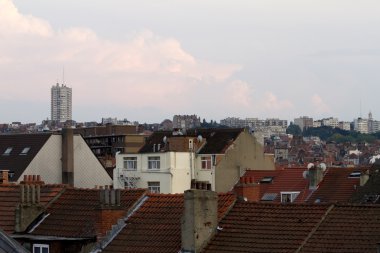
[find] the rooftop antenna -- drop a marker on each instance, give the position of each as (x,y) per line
(63,75)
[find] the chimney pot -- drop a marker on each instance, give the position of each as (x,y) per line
(38,178)
(25,178)
(242,180)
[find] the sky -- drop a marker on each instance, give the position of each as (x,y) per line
(147,60)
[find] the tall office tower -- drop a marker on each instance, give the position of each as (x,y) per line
(61,103)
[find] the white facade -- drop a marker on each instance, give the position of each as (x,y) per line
(61,103)
(88,171)
(361,125)
(173,174)
(331,122)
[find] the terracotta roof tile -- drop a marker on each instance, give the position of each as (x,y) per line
(156,225)
(347,228)
(10,196)
(76,213)
(261,227)
(336,186)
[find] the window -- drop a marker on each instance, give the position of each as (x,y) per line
(154,187)
(8,151)
(154,163)
(40,248)
(206,162)
(130,163)
(288,197)
(25,151)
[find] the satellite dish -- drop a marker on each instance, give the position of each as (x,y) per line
(322,166)
(200,138)
(165,139)
(310,165)
(305,174)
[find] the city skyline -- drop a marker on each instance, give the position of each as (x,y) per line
(246,59)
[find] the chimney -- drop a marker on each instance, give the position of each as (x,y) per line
(364,176)
(315,177)
(29,207)
(68,156)
(247,190)
(109,212)
(4,176)
(200,219)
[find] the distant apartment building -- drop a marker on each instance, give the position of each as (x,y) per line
(254,123)
(317,123)
(61,103)
(186,121)
(361,125)
(330,122)
(304,122)
(344,125)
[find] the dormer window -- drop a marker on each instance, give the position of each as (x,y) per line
(25,151)
(266,180)
(288,197)
(8,151)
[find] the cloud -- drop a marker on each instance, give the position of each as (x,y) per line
(143,72)
(239,93)
(272,103)
(319,105)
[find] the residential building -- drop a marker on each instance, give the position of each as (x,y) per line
(58,158)
(361,125)
(61,103)
(344,125)
(330,122)
(304,122)
(186,121)
(254,123)
(170,162)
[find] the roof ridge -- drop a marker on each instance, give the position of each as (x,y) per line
(315,228)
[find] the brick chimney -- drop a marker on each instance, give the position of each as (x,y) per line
(110,210)
(247,190)
(68,156)
(200,219)
(29,207)
(4,176)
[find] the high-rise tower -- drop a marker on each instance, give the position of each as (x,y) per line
(61,103)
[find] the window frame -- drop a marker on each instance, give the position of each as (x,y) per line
(154,188)
(40,247)
(206,162)
(293,195)
(130,160)
(25,151)
(154,163)
(8,151)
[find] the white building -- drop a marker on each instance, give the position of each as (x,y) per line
(61,103)
(214,158)
(361,125)
(330,122)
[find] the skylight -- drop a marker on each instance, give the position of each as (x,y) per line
(8,151)
(25,151)
(355,174)
(269,196)
(266,180)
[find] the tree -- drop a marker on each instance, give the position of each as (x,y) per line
(293,129)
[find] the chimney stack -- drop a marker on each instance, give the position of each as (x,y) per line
(248,190)
(68,156)
(4,176)
(200,219)
(315,177)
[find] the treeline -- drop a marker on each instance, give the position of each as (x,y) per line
(336,134)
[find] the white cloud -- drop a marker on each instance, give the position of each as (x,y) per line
(320,107)
(145,71)
(239,93)
(272,103)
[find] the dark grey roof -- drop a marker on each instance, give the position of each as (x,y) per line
(217,140)
(15,161)
(9,245)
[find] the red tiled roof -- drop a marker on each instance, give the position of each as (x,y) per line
(156,225)
(284,180)
(10,196)
(76,213)
(336,186)
(262,227)
(347,228)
